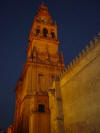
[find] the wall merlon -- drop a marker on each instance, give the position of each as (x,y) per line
(87,48)
(73,62)
(80,56)
(71,65)
(76,59)
(83,52)
(92,44)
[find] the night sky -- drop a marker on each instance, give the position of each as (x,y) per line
(78,22)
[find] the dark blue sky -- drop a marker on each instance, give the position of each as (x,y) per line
(80,22)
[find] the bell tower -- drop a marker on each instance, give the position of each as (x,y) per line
(43,64)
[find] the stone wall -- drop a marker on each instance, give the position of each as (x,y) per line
(80,89)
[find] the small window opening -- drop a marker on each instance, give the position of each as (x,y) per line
(53,35)
(41,108)
(37,31)
(45,32)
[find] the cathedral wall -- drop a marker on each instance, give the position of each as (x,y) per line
(80,90)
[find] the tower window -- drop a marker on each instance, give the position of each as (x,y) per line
(41,108)
(53,35)
(37,31)
(45,32)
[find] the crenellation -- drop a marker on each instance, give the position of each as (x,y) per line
(83,52)
(97,39)
(87,48)
(80,89)
(92,44)
(73,62)
(80,56)
(68,68)
(76,61)
(71,65)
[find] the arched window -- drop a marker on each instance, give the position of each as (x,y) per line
(37,31)
(52,35)
(45,32)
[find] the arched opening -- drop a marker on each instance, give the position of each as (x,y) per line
(37,31)
(52,35)
(45,32)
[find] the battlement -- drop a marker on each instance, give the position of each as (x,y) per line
(82,59)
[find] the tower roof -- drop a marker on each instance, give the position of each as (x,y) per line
(43,14)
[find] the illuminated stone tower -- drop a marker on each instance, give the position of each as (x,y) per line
(43,65)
